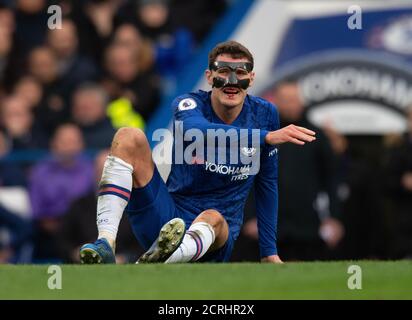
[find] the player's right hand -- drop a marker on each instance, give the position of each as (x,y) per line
(291,133)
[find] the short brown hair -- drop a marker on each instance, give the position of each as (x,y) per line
(232,48)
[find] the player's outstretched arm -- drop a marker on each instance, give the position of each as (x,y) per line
(272,259)
(291,133)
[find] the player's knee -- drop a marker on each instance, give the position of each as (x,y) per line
(214,218)
(129,139)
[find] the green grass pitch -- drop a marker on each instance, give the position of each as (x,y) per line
(314,280)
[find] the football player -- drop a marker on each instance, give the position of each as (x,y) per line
(197,214)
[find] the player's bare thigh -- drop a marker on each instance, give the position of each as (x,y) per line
(219,224)
(131,145)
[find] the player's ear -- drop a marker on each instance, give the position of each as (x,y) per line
(209,76)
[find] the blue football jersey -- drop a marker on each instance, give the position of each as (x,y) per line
(212,178)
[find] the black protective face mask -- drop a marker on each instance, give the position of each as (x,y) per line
(232,80)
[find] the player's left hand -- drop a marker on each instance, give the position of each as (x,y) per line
(272,259)
(291,133)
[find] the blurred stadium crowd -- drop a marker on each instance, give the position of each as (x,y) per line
(343,197)
(67,91)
